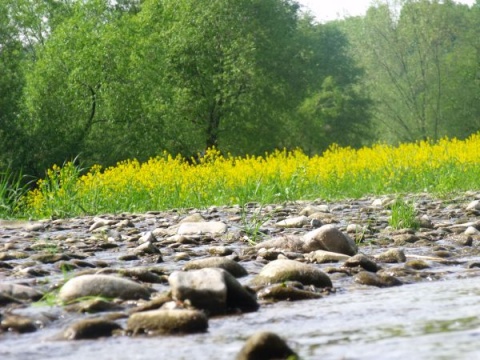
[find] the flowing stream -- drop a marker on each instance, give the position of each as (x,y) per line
(429,320)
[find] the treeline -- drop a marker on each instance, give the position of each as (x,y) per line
(104,81)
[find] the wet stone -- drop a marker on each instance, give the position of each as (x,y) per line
(17,323)
(286,291)
(403,239)
(329,238)
(266,346)
(295,222)
(50,258)
(371,279)
(363,261)
(91,329)
(417,264)
(231,266)
(322,257)
(106,286)
(93,306)
(213,290)
(282,270)
(19,292)
(220,251)
(158,322)
(392,256)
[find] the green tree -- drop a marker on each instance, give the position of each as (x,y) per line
(419,58)
(11,84)
(110,81)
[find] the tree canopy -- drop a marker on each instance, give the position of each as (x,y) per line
(104,81)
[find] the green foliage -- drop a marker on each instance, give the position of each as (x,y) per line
(12,190)
(421,64)
(58,193)
(403,215)
(110,81)
(252,220)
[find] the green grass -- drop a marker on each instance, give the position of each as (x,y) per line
(403,215)
(12,189)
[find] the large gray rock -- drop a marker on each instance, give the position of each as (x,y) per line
(229,265)
(329,238)
(107,286)
(202,228)
(266,346)
(157,322)
(213,290)
(282,270)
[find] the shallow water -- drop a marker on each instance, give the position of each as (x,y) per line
(429,320)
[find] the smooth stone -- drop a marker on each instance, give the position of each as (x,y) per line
(192,218)
(229,265)
(392,256)
(474,205)
(329,238)
(146,248)
(403,239)
(281,292)
(50,258)
(355,229)
(91,329)
(147,237)
(282,270)
(266,346)
(372,279)
(471,230)
(295,222)
(211,289)
(17,323)
(141,274)
(20,292)
(311,209)
(416,264)
(220,251)
(363,261)
(201,228)
(288,242)
(158,322)
(106,286)
(92,306)
(322,257)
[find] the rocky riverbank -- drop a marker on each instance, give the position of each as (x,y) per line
(120,279)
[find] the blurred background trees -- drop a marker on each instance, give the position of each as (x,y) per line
(108,80)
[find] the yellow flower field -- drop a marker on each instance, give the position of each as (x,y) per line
(168,182)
